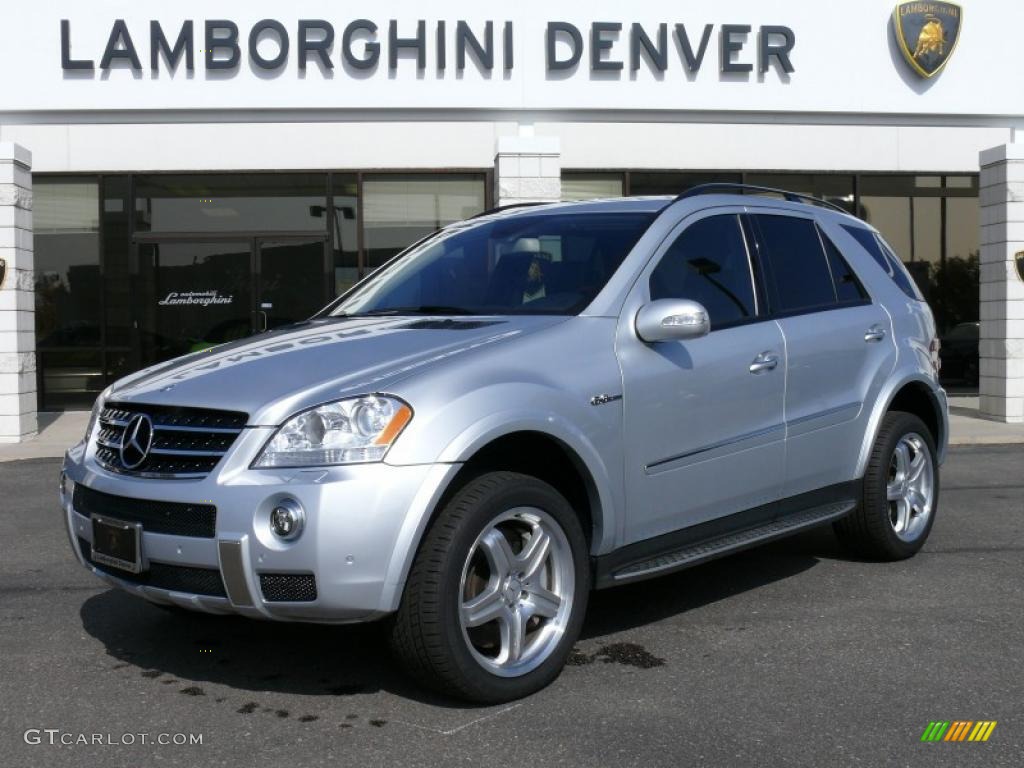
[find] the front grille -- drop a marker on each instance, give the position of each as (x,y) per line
(175,578)
(187,442)
(288,587)
(174,518)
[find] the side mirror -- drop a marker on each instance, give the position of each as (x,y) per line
(672,320)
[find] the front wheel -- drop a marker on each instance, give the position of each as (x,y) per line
(900,493)
(496,596)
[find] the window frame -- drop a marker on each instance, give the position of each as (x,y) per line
(767,267)
(825,242)
(753,271)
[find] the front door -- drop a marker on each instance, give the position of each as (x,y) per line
(292,283)
(190,296)
(703,419)
(195,294)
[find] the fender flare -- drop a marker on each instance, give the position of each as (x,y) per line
(462,448)
(882,405)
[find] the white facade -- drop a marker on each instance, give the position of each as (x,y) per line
(850,104)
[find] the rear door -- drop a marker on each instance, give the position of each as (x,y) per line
(839,349)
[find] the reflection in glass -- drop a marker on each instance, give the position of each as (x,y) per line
(675,182)
(67,263)
(708,264)
(590,186)
(291,281)
(193,296)
(837,188)
(399,210)
(346,231)
(118,254)
(266,202)
(72,378)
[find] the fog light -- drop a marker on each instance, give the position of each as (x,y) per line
(287,519)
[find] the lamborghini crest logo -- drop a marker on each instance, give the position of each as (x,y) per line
(927,33)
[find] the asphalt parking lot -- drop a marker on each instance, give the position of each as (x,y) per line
(792,654)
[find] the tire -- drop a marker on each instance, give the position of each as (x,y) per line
(881,528)
(459,577)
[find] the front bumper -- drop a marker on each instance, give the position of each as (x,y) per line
(363,523)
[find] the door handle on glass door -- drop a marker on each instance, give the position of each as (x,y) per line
(766,361)
(874,333)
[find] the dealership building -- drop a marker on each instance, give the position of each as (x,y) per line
(174,176)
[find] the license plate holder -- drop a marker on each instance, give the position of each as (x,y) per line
(117,543)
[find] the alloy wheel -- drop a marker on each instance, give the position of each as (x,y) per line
(516,592)
(910,490)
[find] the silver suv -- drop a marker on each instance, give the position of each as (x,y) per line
(522,407)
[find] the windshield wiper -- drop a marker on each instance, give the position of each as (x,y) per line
(422,309)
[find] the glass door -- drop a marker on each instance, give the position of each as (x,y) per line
(191,295)
(194,294)
(293,279)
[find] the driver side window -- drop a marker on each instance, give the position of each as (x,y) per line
(708,263)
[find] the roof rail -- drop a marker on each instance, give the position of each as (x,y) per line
(725,187)
(510,206)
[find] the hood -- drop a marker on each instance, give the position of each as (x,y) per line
(275,374)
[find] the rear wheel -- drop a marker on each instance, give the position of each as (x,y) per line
(900,493)
(497,593)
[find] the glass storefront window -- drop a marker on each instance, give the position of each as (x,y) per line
(837,188)
(268,202)
(675,182)
(401,209)
(957,282)
(117,260)
(345,191)
(590,186)
(68,289)
(71,378)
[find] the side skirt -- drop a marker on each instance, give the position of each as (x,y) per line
(716,538)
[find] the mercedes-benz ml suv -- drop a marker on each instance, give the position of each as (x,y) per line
(520,408)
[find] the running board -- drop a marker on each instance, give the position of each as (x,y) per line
(694,554)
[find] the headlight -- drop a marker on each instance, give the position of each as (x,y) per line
(351,431)
(97,409)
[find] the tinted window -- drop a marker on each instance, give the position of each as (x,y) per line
(848,288)
(522,264)
(708,263)
(800,274)
(886,259)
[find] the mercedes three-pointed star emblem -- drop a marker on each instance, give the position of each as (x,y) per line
(136,441)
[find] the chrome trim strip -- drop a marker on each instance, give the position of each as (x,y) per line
(803,424)
(232,571)
(182,452)
(716,446)
(104,444)
(174,428)
(211,430)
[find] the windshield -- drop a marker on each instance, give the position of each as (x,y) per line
(526,264)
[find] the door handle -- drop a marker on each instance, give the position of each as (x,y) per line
(766,361)
(874,333)
(264,318)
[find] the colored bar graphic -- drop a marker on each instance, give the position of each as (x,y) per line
(958,730)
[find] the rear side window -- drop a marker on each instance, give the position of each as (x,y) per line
(886,259)
(849,290)
(708,263)
(800,276)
